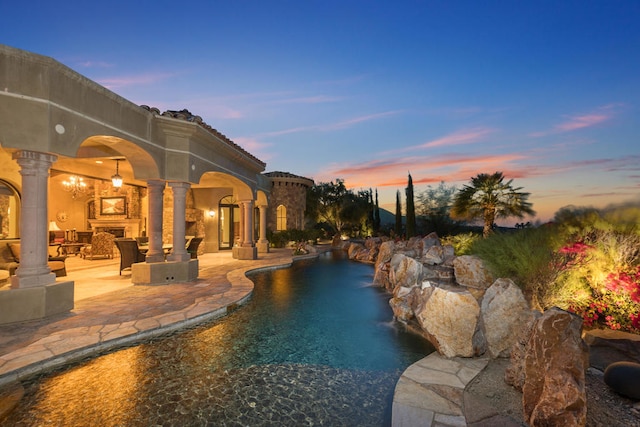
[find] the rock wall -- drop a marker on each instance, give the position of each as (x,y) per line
(464,312)
(455,302)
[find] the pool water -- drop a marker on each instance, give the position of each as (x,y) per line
(316,345)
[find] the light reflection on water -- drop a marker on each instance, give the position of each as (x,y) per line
(314,345)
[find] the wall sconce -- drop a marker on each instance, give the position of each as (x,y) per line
(116,180)
(212,213)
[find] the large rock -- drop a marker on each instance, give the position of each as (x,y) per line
(470,271)
(514,374)
(385,252)
(504,312)
(449,318)
(607,346)
(381,276)
(434,255)
(401,309)
(405,271)
(355,249)
(555,362)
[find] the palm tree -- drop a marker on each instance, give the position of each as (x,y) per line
(488,197)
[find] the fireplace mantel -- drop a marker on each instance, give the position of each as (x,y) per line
(131,226)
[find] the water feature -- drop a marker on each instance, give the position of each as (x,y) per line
(315,346)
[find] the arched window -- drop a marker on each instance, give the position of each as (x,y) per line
(281,218)
(9,210)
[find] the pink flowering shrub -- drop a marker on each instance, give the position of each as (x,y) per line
(586,261)
(613,299)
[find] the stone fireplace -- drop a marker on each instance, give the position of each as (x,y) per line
(120,227)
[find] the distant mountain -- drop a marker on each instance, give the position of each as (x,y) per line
(387,218)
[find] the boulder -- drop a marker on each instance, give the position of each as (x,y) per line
(504,312)
(429,241)
(381,276)
(514,374)
(470,271)
(448,255)
(607,346)
(555,362)
(363,255)
(624,378)
(385,252)
(405,271)
(354,249)
(401,309)
(433,255)
(449,318)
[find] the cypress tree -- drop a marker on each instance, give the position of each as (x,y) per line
(372,216)
(376,215)
(398,229)
(411,210)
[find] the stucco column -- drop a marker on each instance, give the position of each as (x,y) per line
(262,238)
(33,270)
(179,252)
(241,223)
(263,243)
(155,189)
(247,208)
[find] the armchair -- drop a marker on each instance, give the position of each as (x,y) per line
(129,253)
(102,245)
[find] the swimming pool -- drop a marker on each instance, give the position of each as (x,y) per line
(316,345)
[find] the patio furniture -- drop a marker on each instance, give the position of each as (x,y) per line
(192,248)
(56,263)
(101,246)
(129,253)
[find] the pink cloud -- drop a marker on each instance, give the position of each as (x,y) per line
(465,136)
(581,121)
(425,170)
(333,126)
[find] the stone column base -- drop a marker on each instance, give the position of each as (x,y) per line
(263,247)
(22,304)
(163,273)
(245,252)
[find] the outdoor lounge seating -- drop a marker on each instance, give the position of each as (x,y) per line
(101,246)
(10,258)
(129,253)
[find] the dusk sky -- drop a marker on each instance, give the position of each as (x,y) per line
(367,91)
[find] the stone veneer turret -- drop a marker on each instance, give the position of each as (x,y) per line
(291,191)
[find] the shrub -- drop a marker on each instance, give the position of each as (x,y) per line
(280,239)
(527,257)
(461,243)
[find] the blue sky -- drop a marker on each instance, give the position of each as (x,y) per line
(367,91)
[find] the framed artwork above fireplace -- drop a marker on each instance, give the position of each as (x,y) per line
(113,205)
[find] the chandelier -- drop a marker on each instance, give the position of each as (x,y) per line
(75,185)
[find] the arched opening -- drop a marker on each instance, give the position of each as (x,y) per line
(229,222)
(281,218)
